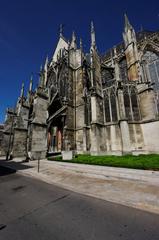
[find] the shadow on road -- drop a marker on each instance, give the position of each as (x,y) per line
(9,167)
(5,171)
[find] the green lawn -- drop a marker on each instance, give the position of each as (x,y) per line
(149,162)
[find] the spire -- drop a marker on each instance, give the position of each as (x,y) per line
(41,80)
(141,28)
(93,40)
(115,52)
(112,57)
(92,26)
(30,89)
(31,84)
(81,45)
(127,23)
(46,70)
(116,65)
(61,30)
(46,62)
(73,44)
(129,34)
(68,43)
(22,91)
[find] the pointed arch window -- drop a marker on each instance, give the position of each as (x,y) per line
(131,103)
(123,70)
(107,74)
(110,103)
(150,67)
(113,101)
(63,80)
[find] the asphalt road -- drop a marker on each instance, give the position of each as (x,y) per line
(34,210)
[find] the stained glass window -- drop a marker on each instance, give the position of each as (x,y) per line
(150,61)
(123,70)
(110,104)
(131,103)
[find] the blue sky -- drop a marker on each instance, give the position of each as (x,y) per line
(29,31)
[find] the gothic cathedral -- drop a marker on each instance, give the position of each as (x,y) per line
(90,103)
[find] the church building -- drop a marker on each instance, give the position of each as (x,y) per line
(90,103)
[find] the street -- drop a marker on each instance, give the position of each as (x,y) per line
(31,209)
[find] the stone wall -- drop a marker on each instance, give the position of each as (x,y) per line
(68,139)
(151,136)
(113,139)
(5,142)
(2,152)
(136,137)
(39,141)
(40,113)
(22,115)
(125,137)
(147,105)
(97,139)
(80,141)
(20,143)
(38,126)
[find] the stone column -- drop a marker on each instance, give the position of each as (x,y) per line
(94,143)
(125,135)
(20,142)
(38,126)
(19,147)
(97,110)
(94,109)
(150,123)
(85,139)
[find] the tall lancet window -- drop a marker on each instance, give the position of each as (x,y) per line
(110,103)
(131,103)
(113,104)
(123,70)
(62,80)
(150,66)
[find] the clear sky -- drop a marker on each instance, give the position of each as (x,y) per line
(29,31)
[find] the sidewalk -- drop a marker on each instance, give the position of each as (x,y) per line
(134,188)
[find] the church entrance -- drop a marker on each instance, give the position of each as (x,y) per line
(56,121)
(55,133)
(54,139)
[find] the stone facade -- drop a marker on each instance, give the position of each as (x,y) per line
(90,103)
(1,140)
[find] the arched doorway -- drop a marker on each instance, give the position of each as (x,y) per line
(55,133)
